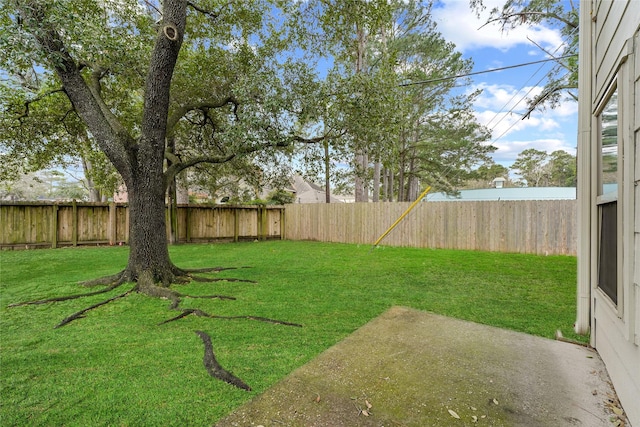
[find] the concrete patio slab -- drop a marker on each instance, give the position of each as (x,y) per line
(412,368)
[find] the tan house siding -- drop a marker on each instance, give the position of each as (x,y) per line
(610,56)
(636,274)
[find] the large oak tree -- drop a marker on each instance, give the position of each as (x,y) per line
(159,87)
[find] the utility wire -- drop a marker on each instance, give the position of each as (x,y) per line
(524,85)
(511,110)
(485,71)
(449,168)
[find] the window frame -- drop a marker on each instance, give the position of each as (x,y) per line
(604,199)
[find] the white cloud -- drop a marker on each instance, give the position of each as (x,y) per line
(458,24)
(501,107)
(508,151)
(568,108)
(504,97)
(504,124)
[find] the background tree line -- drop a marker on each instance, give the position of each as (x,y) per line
(533,168)
(247,103)
(249,106)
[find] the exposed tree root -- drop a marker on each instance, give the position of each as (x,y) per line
(211,269)
(219,279)
(107,280)
(187,273)
(209,297)
(214,368)
(147,284)
(197,312)
(80,314)
(68,297)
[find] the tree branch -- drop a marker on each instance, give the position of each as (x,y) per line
(179,166)
(109,134)
(28,102)
(203,11)
(550,54)
(213,102)
(523,15)
(546,95)
(158,82)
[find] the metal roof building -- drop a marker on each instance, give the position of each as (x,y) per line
(515,193)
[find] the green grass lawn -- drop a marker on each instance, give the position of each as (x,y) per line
(118,367)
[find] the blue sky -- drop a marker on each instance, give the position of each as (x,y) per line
(502,102)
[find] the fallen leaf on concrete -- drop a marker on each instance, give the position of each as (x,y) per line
(454,415)
(616,410)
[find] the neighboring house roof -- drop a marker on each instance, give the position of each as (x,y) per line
(516,193)
(308,192)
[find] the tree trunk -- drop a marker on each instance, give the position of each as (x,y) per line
(360,156)
(140,161)
(365,177)
(411,181)
(401,177)
(413,189)
(182,190)
(375,196)
(172,202)
(327,165)
(385,185)
(149,261)
(359,181)
(94,193)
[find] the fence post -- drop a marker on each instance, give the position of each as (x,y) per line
(187,233)
(258,223)
(282,236)
(112,226)
(236,224)
(262,210)
(265,223)
(127,224)
(74,223)
(54,226)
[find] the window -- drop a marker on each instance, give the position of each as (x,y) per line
(608,249)
(608,160)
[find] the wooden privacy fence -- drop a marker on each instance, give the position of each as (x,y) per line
(535,226)
(527,226)
(30,224)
